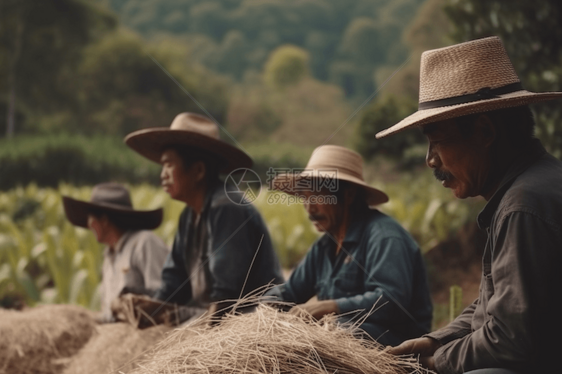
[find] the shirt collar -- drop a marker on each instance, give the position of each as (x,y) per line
(355,229)
(207,201)
(120,243)
(522,162)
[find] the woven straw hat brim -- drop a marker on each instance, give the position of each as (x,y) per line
(374,196)
(151,142)
(77,212)
(424,117)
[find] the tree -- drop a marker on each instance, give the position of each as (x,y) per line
(531,33)
(261,26)
(124,88)
(385,112)
(40,43)
(363,40)
(286,66)
(429,29)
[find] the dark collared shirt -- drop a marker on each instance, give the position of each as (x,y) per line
(211,258)
(516,322)
(379,264)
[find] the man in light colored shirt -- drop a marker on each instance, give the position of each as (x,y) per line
(134,257)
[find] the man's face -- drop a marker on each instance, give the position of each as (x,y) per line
(461,164)
(98,227)
(176,180)
(323,216)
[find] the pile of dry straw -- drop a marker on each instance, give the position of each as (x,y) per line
(270,341)
(35,340)
(47,339)
(115,347)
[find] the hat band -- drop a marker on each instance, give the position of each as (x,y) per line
(485,93)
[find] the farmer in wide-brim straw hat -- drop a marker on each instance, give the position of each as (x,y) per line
(364,257)
(222,250)
(134,256)
(473,110)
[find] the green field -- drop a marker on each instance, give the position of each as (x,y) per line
(44,259)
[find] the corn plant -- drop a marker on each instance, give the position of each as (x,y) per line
(44,259)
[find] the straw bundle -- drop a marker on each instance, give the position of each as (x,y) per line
(31,341)
(270,341)
(115,347)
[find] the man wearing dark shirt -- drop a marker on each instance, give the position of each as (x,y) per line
(222,250)
(474,113)
(365,264)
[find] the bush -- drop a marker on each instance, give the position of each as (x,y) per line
(404,147)
(50,160)
(286,66)
(276,155)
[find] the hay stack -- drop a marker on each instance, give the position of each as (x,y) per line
(115,347)
(33,340)
(270,341)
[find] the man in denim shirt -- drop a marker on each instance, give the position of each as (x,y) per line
(222,250)
(474,113)
(365,263)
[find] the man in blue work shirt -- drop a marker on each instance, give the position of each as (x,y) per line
(222,250)
(365,261)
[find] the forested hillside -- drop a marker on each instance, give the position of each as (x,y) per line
(347,40)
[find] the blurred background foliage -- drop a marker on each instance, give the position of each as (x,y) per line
(283,72)
(282,77)
(44,259)
(533,38)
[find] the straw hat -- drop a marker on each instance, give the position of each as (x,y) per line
(114,200)
(467,78)
(329,162)
(193,131)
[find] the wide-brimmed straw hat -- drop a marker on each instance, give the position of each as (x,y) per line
(114,200)
(467,78)
(189,130)
(329,163)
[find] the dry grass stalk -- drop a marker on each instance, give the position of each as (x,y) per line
(34,340)
(115,347)
(270,341)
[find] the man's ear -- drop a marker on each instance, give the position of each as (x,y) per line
(350,195)
(485,131)
(200,170)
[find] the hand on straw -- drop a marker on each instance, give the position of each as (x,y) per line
(316,309)
(218,309)
(425,347)
(143,311)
